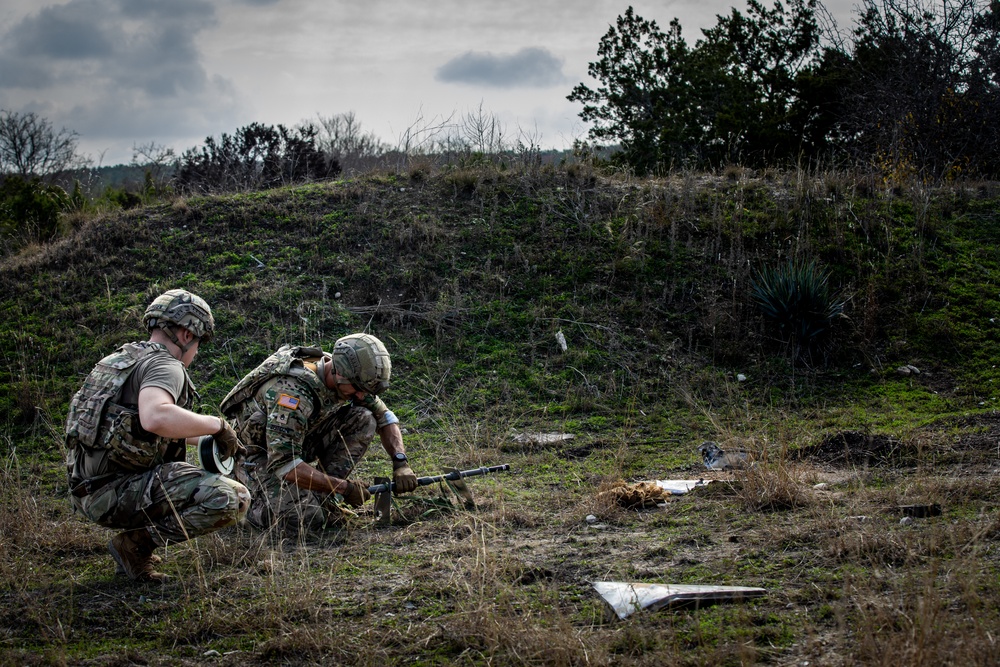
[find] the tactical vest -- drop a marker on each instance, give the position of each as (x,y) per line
(294,361)
(98,421)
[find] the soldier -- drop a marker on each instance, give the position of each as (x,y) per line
(126,435)
(301,406)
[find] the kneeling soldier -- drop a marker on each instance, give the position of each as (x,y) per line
(302,406)
(126,436)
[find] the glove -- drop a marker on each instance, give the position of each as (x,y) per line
(404,479)
(228,442)
(356,493)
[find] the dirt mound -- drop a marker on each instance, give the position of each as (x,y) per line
(857,448)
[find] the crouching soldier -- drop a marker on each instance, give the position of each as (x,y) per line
(303,406)
(126,437)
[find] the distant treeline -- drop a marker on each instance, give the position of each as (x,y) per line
(912,90)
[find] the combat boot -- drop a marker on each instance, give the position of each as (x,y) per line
(120,569)
(133,551)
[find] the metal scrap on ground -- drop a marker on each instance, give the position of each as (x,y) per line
(648,494)
(679,487)
(627,598)
(716,458)
(542,438)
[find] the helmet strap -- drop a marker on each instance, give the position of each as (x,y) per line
(321,369)
(172,335)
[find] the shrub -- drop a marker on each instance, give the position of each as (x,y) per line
(256,157)
(29,209)
(122,198)
(796,298)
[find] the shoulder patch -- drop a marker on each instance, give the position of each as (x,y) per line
(290,402)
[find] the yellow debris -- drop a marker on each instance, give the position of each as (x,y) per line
(632,496)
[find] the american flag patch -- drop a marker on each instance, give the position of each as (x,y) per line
(290,402)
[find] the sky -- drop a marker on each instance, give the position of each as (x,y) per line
(128,73)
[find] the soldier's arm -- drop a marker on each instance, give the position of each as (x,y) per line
(387,427)
(392,439)
(288,413)
(309,478)
(160,415)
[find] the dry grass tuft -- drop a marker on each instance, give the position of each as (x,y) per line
(770,487)
(631,496)
(29,529)
(180,205)
(927,618)
(298,644)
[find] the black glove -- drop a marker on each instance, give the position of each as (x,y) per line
(356,493)
(228,442)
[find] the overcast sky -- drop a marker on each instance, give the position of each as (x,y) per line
(122,73)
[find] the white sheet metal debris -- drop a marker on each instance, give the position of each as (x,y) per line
(627,598)
(542,438)
(679,487)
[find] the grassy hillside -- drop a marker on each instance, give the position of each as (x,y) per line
(468,275)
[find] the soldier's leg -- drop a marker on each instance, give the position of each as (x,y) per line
(175,501)
(289,509)
(259,515)
(300,511)
(345,443)
(189,501)
(133,547)
(170,503)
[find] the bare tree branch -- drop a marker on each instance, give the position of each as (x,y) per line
(29,146)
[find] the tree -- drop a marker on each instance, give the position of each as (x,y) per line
(925,93)
(158,162)
(255,157)
(644,98)
(30,147)
(761,62)
(737,95)
(340,136)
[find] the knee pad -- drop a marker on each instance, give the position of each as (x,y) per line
(242,497)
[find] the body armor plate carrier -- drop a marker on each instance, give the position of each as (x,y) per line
(295,361)
(97,421)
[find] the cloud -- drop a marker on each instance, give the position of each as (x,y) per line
(117,45)
(23,73)
(527,68)
(104,67)
(61,35)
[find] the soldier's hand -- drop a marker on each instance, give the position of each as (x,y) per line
(356,493)
(229,443)
(404,479)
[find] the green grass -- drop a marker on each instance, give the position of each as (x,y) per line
(467,276)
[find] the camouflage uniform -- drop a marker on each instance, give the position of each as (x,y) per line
(285,415)
(121,476)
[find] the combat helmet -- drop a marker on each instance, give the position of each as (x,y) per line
(178,307)
(364,361)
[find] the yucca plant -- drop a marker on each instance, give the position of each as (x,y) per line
(797,299)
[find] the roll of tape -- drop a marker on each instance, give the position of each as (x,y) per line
(210,459)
